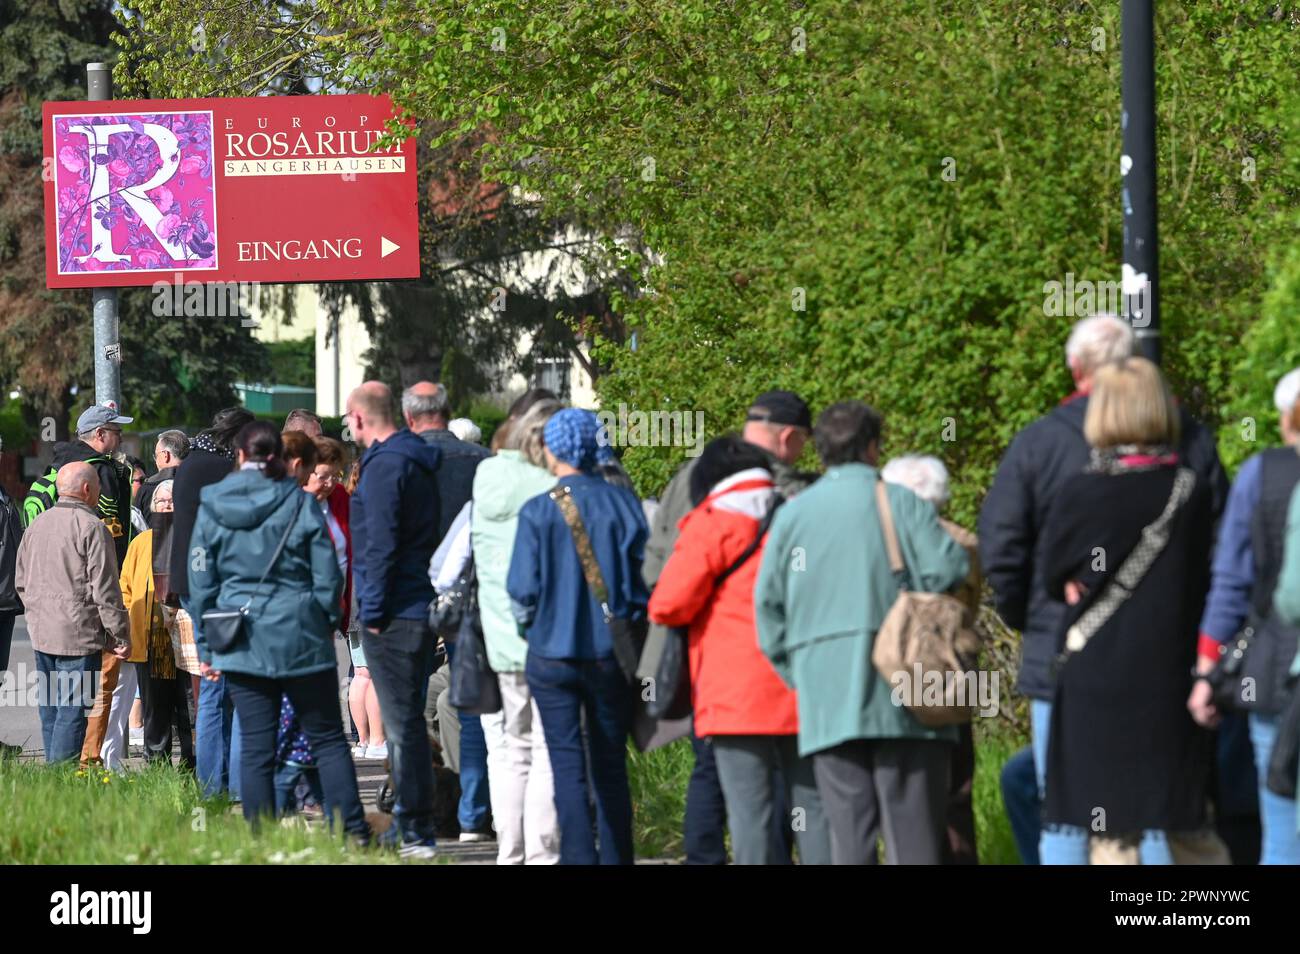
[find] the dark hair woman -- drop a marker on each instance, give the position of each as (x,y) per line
(265,547)
(210,459)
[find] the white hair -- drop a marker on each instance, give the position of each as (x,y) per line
(1098,340)
(1287,391)
(466,430)
(922,474)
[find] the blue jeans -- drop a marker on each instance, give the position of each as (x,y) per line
(216,740)
(315,701)
(1277,815)
(216,736)
(565,690)
(1023,804)
(1068,844)
(68,685)
(287,775)
(706,811)
(399,658)
(475,798)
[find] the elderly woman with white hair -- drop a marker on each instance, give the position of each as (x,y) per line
(1248,560)
(927,477)
(164,688)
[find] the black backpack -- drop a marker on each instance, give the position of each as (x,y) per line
(11,534)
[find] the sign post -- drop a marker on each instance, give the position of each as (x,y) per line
(1138,167)
(108,348)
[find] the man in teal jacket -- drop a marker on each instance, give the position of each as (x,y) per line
(823,590)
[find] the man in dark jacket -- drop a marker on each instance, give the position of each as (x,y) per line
(780,423)
(11,535)
(211,458)
(1039,461)
(168,452)
(427,412)
(394,522)
(99,436)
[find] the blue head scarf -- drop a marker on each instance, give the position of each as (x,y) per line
(576,437)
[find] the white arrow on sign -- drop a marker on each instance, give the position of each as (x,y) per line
(387,248)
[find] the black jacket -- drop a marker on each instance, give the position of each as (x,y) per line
(196,471)
(114,490)
(1121,737)
(150,485)
(1041,458)
(459,460)
(11,534)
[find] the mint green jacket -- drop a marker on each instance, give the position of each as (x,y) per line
(1286,598)
(502,485)
(823,590)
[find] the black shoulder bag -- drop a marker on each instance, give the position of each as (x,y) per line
(222,628)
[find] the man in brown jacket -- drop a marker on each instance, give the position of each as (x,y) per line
(68,580)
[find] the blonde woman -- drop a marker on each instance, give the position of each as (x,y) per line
(1127,547)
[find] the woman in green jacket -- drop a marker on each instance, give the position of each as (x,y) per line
(823,590)
(519,766)
(286,644)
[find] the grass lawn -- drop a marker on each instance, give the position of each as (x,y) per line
(156,816)
(55,815)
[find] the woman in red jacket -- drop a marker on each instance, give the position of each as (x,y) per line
(742,708)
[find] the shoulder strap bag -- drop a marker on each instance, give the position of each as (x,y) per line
(222,628)
(927,646)
(627,635)
(1116,591)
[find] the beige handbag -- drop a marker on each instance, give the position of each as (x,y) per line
(927,648)
(187,654)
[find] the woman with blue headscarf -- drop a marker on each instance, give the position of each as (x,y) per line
(571,667)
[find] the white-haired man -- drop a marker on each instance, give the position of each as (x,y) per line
(1035,466)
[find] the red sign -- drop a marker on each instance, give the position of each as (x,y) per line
(263,189)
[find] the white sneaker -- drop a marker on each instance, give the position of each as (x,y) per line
(137,738)
(418,851)
(377,751)
(359,751)
(475,836)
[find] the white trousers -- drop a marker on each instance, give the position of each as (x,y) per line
(520,780)
(114,749)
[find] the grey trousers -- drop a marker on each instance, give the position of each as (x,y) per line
(897,788)
(439,707)
(745,770)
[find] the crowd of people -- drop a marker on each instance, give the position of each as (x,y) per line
(1140,579)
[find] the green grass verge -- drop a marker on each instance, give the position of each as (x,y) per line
(56,815)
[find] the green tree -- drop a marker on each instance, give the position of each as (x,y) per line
(849,199)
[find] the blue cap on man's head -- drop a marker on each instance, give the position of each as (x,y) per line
(99,415)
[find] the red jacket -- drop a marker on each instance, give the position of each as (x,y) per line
(735,690)
(340,505)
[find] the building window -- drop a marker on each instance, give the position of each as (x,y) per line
(553,374)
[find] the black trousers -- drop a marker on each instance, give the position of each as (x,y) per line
(315,699)
(166,705)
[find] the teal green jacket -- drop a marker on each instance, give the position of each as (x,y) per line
(1286,598)
(502,485)
(290,626)
(823,590)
